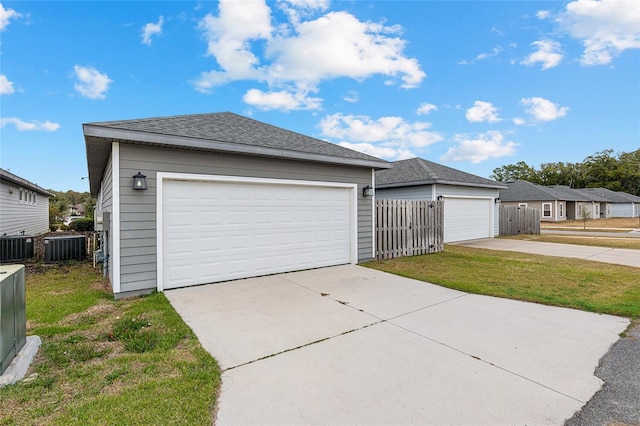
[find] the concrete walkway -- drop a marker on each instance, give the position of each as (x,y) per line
(632,234)
(352,345)
(618,256)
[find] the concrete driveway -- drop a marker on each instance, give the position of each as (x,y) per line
(628,257)
(347,345)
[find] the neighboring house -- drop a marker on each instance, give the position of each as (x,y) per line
(24,206)
(76,210)
(580,203)
(227,197)
(470,210)
(556,204)
(633,208)
(612,203)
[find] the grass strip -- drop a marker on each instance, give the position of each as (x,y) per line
(104,361)
(571,283)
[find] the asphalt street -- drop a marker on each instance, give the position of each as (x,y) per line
(618,402)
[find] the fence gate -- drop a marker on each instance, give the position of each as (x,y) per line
(408,228)
(519,220)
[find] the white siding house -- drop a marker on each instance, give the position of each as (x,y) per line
(24,206)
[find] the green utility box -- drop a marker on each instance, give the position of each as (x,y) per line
(13,315)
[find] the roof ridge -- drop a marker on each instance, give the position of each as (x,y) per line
(427,168)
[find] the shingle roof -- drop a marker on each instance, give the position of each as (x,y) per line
(522,190)
(219,132)
(604,195)
(17,180)
(569,194)
(233,128)
(417,171)
(630,197)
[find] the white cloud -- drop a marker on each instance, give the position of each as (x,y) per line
(484,55)
(542,109)
(542,14)
(351,96)
(388,153)
(6,15)
(482,112)
(302,52)
(151,29)
(386,130)
(339,45)
(548,54)
(519,121)
(476,149)
(426,108)
(605,27)
(392,138)
(283,100)
(6,86)
(21,125)
(91,83)
(298,9)
(495,52)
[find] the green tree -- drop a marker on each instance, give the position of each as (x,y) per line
(585,214)
(512,172)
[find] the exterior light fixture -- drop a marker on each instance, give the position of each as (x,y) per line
(497,200)
(367,191)
(440,197)
(140,182)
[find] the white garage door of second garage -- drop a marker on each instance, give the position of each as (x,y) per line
(467,219)
(223,230)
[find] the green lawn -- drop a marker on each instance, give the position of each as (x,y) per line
(610,242)
(572,283)
(130,362)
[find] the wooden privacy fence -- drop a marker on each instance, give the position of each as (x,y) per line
(519,220)
(408,228)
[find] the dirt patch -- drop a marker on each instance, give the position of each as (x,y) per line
(92,315)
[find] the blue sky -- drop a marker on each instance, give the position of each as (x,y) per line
(473,85)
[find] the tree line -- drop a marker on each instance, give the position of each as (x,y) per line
(61,202)
(604,169)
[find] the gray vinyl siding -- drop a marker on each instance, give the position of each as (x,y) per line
(138,242)
(105,204)
(17,217)
(419,192)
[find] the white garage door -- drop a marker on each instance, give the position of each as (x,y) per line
(224,230)
(467,218)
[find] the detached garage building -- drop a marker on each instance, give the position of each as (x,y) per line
(470,210)
(226,197)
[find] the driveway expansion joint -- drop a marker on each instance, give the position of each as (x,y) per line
(301,346)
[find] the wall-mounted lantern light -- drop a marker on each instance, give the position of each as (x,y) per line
(139,182)
(440,197)
(497,200)
(367,191)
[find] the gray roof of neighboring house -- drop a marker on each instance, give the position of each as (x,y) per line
(218,132)
(569,194)
(630,197)
(417,171)
(17,180)
(605,195)
(522,190)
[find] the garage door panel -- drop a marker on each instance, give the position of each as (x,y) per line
(467,219)
(217,231)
